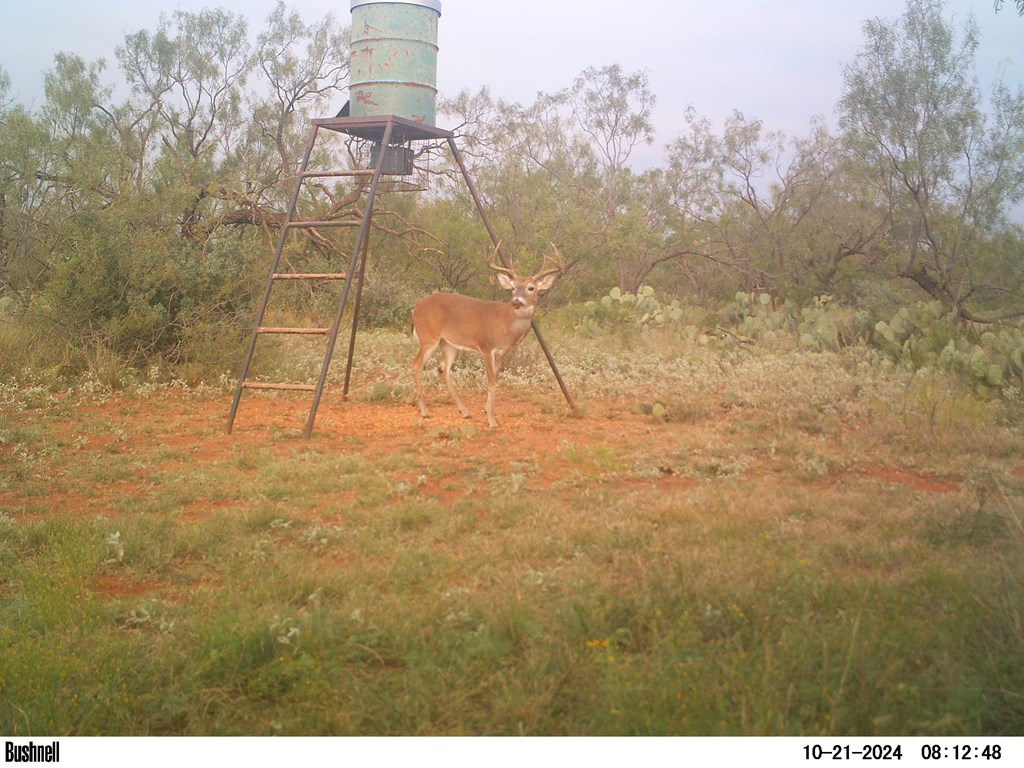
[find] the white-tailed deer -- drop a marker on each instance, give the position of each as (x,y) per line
(490,328)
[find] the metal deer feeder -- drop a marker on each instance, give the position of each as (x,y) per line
(392,111)
(393,64)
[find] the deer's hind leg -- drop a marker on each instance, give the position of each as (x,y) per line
(448,355)
(426,350)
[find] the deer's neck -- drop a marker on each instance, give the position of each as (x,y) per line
(519,318)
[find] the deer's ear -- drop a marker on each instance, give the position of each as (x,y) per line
(546,282)
(505,281)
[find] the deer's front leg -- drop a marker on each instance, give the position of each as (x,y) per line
(491,365)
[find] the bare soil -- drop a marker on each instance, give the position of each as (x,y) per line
(176,432)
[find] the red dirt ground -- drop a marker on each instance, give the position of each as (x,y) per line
(156,437)
(172,430)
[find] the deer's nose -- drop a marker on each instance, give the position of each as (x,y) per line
(517,302)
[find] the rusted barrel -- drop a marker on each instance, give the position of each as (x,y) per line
(393,68)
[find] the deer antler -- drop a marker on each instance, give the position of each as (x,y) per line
(496,266)
(558,261)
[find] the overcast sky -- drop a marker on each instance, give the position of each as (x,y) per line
(781,62)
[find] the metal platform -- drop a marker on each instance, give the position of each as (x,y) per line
(374,128)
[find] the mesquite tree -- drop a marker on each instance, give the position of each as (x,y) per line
(945,171)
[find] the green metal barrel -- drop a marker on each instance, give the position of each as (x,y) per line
(393,68)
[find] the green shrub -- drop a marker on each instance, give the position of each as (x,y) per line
(926,335)
(644,310)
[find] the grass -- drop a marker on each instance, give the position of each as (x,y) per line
(802,543)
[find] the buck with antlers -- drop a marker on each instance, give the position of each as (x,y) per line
(490,328)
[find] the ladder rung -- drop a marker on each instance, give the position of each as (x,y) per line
(309,276)
(305,331)
(290,387)
(331,174)
(315,224)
